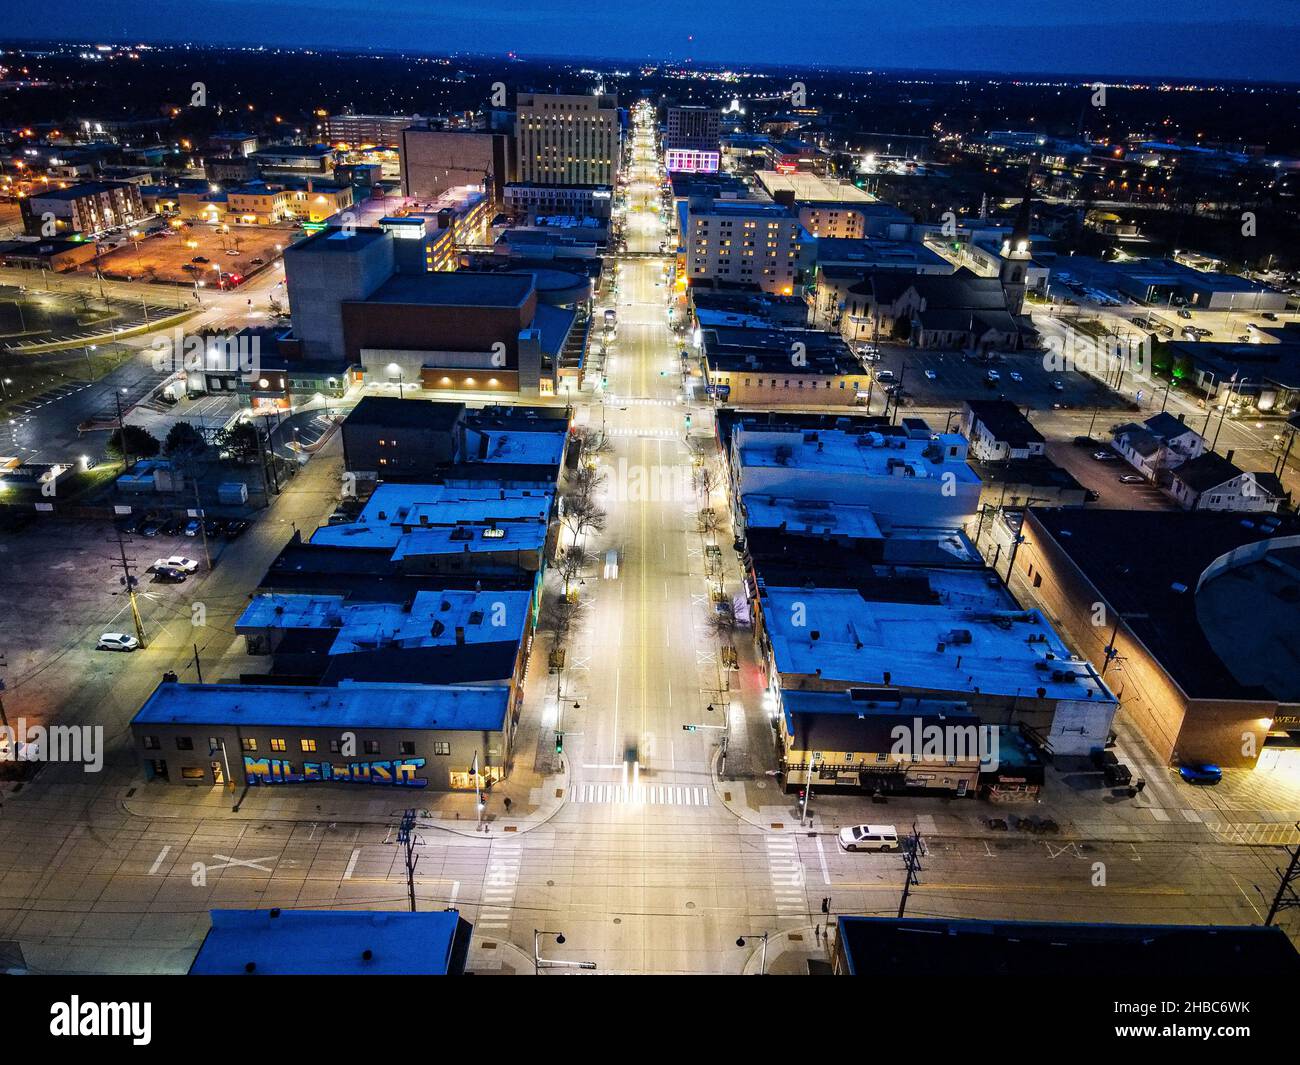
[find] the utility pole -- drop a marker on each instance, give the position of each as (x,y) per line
(4,718)
(914,848)
(406,837)
(121,431)
(203,525)
(198,666)
(129,582)
(1286,897)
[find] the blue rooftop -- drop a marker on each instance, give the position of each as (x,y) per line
(376,706)
(332,942)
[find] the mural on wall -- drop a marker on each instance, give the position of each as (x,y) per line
(397,771)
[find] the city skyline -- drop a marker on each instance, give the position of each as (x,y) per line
(1167,40)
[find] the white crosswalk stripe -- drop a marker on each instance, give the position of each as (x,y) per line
(499,885)
(787,876)
(641,794)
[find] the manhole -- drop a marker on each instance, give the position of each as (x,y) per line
(776,824)
(760,783)
(510,828)
(618,920)
(795,937)
(488,946)
(559,793)
(726,796)
(690,905)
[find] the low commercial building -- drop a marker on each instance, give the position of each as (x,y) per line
(534,199)
(59,254)
(1198,613)
(889,948)
(405,737)
(1007,665)
(312,159)
(266,203)
(280,942)
(770,367)
(435,160)
(905,481)
(871,739)
(426,441)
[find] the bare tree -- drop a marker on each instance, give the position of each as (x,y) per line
(706,480)
(582,515)
(708,522)
(558,615)
(595,443)
(570,564)
(586,481)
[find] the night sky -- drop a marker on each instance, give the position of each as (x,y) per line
(1246,39)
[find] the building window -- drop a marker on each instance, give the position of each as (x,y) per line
(150,742)
(308,746)
(406,747)
(372,746)
(248,743)
(279,745)
(441,747)
(193,772)
(184,743)
(336,746)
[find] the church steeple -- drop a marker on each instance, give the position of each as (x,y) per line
(1020,233)
(1016,251)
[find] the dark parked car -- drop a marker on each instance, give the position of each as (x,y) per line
(236,529)
(1117,775)
(1201,773)
(152,527)
(169,575)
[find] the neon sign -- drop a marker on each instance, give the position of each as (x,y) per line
(399,772)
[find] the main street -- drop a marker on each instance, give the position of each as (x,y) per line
(642,866)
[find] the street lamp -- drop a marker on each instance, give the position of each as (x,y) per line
(540,963)
(762,965)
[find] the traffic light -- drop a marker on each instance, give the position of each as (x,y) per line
(559,743)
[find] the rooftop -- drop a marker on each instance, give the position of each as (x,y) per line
(870,454)
(376,706)
(333,942)
(937,648)
(387,412)
(456,289)
(1154,584)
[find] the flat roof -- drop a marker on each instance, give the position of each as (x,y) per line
(811,188)
(376,706)
(433,618)
(1153,585)
(810,517)
(939,648)
(281,942)
(455,289)
(871,454)
(388,412)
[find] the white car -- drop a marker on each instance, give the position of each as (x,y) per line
(930,375)
(1016,376)
(117,641)
(869,838)
(180,562)
(611,564)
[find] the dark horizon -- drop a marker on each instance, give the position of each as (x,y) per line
(1188,42)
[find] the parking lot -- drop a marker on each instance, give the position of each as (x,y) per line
(1104,477)
(169,255)
(958,376)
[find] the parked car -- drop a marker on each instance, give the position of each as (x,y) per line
(117,641)
(1132,478)
(869,838)
(193,527)
(1105,456)
(169,575)
(180,562)
(236,528)
(152,527)
(1183,312)
(1015,375)
(993,375)
(1058,386)
(1201,773)
(930,375)
(200,259)
(1268,316)
(173,527)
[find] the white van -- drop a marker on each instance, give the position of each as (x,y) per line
(869,838)
(611,564)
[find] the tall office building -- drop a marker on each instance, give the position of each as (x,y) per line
(692,127)
(568,140)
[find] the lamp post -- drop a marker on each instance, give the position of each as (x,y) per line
(540,963)
(762,965)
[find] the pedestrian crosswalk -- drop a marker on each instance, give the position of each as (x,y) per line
(499,885)
(641,794)
(653,434)
(641,401)
(787,875)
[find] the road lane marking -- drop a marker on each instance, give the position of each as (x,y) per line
(352,864)
(159,860)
